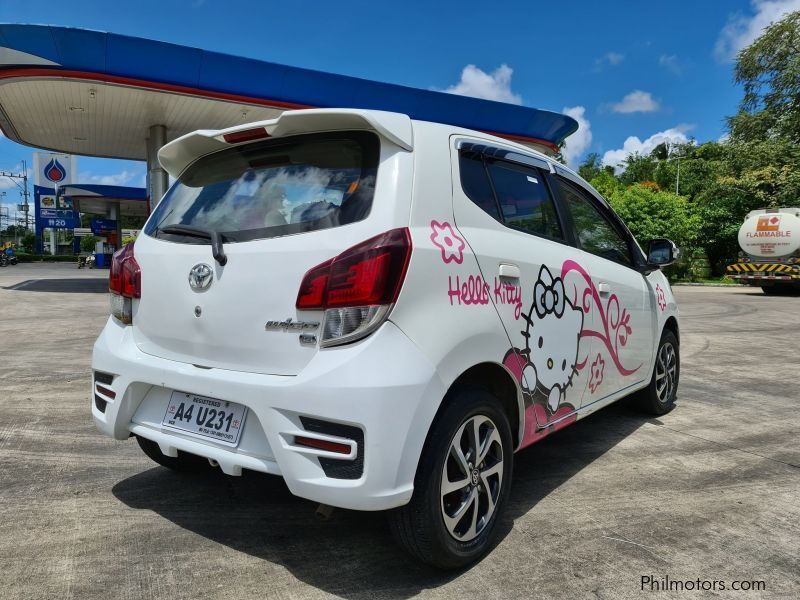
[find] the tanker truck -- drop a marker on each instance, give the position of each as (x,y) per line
(770,256)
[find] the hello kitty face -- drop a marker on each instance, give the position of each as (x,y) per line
(553,335)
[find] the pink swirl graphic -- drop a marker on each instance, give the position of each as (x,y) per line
(615,320)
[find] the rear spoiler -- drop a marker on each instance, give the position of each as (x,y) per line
(176,156)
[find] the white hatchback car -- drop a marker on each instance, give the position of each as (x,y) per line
(381,311)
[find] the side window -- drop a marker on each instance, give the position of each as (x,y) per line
(475,183)
(524,199)
(595,233)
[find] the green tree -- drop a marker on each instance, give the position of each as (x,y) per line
(88,243)
(650,214)
(769,71)
(638,168)
(28,242)
(606,183)
(591,167)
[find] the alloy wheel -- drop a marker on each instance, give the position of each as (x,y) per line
(472,478)
(666,370)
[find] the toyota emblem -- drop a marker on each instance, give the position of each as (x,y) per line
(200,277)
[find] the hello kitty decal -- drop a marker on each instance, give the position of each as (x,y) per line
(552,337)
(552,363)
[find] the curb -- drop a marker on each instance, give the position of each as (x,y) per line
(720,285)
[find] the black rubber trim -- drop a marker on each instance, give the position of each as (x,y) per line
(333,467)
(104,378)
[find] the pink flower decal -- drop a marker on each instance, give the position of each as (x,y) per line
(661,298)
(596,377)
(448,242)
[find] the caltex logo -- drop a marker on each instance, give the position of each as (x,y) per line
(54,171)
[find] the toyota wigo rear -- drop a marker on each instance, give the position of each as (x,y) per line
(381,311)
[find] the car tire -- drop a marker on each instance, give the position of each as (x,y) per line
(453,529)
(184,462)
(658,397)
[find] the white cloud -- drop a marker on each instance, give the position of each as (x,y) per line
(742,30)
(671,63)
(490,86)
(636,101)
(122,178)
(609,58)
(633,145)
(579,141)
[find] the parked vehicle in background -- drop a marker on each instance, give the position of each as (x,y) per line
(7,254)
(770,257)
(381,311)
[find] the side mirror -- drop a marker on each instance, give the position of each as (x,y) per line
(662,252)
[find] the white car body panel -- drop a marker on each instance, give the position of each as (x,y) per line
(390,384)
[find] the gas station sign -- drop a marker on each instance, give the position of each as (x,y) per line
(51,211)
(103,227)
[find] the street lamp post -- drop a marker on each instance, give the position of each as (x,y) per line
(678,173)
(21,181)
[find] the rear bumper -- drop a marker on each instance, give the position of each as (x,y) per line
(753,272)
(383,386)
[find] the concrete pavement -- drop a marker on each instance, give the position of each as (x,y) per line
(709,491)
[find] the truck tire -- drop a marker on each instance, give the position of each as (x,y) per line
(658,398)
(186,463)
(457,501)
(771,290)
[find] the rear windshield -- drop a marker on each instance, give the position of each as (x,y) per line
(273,188)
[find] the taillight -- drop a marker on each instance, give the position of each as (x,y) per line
(357,288)
(124,283)
(312,290)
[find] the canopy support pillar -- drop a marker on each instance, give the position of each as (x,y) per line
(157,178)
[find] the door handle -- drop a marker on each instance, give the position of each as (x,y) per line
(603,288)
(509,271)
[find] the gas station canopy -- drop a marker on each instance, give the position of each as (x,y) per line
(100,94)
(97,199)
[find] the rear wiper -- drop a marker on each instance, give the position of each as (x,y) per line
(207,234)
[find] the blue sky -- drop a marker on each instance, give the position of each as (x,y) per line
(634,73)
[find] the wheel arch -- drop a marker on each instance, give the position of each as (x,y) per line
(671,324)
(502,384)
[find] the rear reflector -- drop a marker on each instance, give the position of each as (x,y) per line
(322,444)
(246,135)
(105,391)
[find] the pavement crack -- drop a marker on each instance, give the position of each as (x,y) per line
(729,447)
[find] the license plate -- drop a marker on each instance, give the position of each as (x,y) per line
(205,417)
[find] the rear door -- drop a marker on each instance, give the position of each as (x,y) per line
(282,206)
(504,207)
(613,291)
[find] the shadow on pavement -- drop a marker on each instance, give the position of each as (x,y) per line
(87,285)
(353,554)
